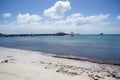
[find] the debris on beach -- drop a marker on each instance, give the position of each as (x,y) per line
(8,59)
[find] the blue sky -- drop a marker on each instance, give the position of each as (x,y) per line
(51,16)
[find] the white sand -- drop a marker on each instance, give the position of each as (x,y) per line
(31,65)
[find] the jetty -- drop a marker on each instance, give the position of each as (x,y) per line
(25,35)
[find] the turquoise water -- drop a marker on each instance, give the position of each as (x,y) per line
(96,47)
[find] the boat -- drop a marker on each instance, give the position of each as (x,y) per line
(72,34)
(101,34)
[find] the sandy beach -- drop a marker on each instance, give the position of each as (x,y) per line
(16,64)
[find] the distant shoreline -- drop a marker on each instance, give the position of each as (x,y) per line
(54,34)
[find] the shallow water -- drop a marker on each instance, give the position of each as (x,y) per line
(95,47)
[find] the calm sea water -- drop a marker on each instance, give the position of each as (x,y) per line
(95,47)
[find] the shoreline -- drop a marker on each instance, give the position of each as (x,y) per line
(33,65)
(117,63)
(88,60)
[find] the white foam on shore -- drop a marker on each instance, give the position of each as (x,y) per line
(32,65)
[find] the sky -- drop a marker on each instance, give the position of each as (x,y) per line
(51,16)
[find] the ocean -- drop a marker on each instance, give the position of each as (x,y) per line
(105,48)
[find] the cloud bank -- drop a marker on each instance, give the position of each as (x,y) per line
(80,19)
(58,10)
(27,18)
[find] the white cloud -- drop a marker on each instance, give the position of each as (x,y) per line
(77,23)
(118,17)
(80,19)
(6,15)
(27,18)
(58,10)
